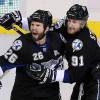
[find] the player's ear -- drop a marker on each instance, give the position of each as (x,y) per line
(47,28)
(83,23)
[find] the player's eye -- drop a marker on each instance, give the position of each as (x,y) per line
(32,24)
(38,25)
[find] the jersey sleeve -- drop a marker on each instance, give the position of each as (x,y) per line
(57,25)
(14,57)
(25,24)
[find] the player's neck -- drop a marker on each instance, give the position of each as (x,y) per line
(42,41)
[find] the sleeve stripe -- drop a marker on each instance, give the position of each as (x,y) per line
(1,72)
(60,75)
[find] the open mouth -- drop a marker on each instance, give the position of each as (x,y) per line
(35,36)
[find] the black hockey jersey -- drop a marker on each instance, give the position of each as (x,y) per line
(25,52)
(82,54)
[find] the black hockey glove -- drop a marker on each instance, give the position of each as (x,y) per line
(40,73)
(96,72)
(11,18)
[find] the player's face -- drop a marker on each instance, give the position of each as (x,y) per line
(73,26)
(37,30)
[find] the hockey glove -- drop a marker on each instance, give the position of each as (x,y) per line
(40,73)
(11,18)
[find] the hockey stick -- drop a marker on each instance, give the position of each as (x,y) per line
(19,30)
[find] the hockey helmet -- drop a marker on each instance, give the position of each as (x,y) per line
(78,12)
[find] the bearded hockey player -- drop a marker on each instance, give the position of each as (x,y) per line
(38,48)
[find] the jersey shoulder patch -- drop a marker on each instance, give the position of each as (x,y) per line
(25,24)
(17,45)
(77,45)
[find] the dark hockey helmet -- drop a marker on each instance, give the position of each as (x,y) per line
(41,16)
(78,12)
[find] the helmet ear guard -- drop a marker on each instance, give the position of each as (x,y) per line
(78,12)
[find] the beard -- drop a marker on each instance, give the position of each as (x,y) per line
(37,37)
(72,30)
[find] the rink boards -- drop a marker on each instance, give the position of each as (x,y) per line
(93,25)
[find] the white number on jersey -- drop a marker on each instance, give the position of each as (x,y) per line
(77,61)
(12,57)
(37,56)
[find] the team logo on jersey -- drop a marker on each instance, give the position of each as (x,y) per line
(17,45)
(77,45)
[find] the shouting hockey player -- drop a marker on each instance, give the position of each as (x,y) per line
(38,48)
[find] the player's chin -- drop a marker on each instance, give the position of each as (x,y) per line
(35,36)
(72,31)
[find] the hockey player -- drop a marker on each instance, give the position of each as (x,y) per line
(38,48)
(82,54)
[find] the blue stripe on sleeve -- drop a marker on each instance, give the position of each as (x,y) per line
(66,77)
(10,66)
